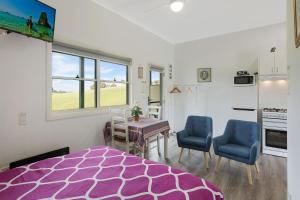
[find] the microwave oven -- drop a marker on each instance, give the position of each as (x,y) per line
(248,80)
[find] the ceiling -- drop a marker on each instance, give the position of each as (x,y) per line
(199,18)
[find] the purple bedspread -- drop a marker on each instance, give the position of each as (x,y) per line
(103,173)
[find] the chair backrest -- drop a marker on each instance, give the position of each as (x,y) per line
(199,126)
(243,132)
(119,128)
(154,112)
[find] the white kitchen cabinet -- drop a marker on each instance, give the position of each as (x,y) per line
(266,64)
(273,64)
(280,63)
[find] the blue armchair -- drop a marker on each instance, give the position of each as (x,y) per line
(197,135)
(240,142)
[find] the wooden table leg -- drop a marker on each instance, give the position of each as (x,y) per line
(143,152)
(158,144)
(166,146)
(147,149)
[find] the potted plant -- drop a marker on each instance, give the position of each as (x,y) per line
(136,111)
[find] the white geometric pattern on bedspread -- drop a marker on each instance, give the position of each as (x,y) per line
(103,173)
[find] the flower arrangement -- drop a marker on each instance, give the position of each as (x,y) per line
(136,111)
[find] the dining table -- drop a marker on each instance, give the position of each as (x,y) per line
(142,131)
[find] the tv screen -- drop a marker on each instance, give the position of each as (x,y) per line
(28,17)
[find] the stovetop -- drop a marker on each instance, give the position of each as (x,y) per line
(276,110)
(274,113)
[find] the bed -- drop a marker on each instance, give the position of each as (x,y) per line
(103,173)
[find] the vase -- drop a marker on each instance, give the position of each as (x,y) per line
(136,118)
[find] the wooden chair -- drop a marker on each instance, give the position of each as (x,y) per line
(155,112)
(120,135)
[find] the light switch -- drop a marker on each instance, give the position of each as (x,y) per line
(23,119)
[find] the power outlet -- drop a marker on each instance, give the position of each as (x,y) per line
(23,119)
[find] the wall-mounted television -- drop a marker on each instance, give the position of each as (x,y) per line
(28,17)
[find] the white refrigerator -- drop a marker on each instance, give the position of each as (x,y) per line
(245,103)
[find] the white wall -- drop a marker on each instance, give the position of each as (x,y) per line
(293,109)
(23,78)
(273,94)
(225,55)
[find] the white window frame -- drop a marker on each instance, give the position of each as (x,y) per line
(98,56)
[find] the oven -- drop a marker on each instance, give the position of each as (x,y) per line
(276,138)
(275,134)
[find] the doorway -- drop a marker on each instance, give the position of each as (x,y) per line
(156,92)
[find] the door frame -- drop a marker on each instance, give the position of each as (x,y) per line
(161,71)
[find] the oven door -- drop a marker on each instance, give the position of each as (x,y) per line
(276,139)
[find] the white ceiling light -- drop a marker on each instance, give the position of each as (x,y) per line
(177,5)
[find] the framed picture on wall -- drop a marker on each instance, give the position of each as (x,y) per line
(297,22)
(204,75)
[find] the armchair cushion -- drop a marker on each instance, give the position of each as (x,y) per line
(235,150)
(194,141)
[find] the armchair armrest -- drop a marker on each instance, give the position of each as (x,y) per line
(219,141)
(180,135)
(208,139)
(254,152)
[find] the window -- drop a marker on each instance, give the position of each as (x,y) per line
(80,81)
(113,84)
(74,84)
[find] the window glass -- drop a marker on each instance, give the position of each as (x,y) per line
(113,85)
(155,87)
(155,78)
(65,95)
(65,65)
(113,94)
(89,68)
(113,72)
(89,94)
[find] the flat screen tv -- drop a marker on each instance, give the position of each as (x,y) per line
(28,17)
